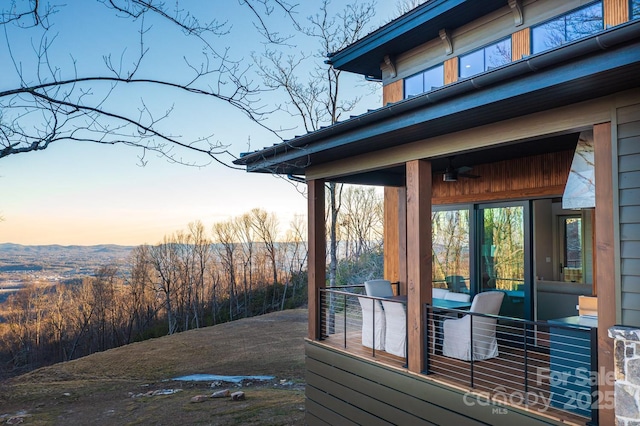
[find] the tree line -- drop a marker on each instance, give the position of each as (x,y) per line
(241,267)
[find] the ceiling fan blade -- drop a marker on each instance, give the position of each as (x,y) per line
(468,175)
(464,169)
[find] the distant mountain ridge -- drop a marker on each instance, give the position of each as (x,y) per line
(67,260)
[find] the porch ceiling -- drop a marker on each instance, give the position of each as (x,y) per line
(569,74)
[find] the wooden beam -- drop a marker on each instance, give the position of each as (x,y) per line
(616,12)
(317,255)
(393,92)
(418,259)
(605,258)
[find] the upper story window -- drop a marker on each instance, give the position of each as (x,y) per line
(571,26)
(635,9)
(485,58)
(424,81)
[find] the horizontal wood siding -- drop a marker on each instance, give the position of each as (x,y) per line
(629,199)
(616,12)
(539,175)
(343,389)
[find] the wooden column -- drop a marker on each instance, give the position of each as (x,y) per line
(605,258)
(317,275)
(418,258)
(395,236)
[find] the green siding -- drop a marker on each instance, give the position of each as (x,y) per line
(629,201)
(344,389)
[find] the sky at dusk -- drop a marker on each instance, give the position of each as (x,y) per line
(74,193)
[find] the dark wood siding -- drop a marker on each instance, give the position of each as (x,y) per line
(629,199)
(345,390)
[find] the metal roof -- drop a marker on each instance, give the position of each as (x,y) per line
(589,68)
(408,31)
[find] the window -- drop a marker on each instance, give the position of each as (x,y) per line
(486,58)
(572,248)
(635,9)
(568,27)
(424,81)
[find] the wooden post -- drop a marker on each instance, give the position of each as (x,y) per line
(317,241)
(395,236)
(605,258)
(418,258)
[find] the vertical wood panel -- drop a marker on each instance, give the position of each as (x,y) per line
(605,257)
(402,236)
(393,92)
(418,258)
(391,238)
(616,12)
(317,254)
(538,175)
(520,44)
(451,70)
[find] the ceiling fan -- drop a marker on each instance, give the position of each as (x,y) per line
(451,174)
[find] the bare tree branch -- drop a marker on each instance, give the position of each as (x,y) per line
(53,101)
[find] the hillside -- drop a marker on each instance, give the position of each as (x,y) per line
(112,387)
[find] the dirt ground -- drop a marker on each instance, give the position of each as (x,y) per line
(115,387)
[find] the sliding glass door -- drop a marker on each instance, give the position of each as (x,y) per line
(503,255)
(485,247)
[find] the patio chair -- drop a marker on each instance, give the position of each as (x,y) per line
(439,293)
(373,323)
(373,316)
(458,297)
(395,335)
(378,288)
(459,333)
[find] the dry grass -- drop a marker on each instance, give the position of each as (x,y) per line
(98,389)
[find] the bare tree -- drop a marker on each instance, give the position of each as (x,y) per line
(318,101)
(225,237)
(265,226)
(45,99)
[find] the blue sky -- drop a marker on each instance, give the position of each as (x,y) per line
(86,194)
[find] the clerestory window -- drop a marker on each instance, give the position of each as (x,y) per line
(485,58)
(635,9)
(424,81)
(577,24)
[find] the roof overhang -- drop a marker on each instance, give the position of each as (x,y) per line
(408,31)
(587,69)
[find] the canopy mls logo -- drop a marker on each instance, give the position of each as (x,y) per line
(567,392)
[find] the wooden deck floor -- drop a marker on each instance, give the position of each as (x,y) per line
(502,379)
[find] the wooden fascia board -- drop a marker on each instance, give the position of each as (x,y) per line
(570,117)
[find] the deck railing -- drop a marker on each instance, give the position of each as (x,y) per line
(540,366)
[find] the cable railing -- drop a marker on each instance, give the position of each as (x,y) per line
(538,365)
(374,326)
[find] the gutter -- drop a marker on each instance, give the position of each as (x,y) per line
(531,64)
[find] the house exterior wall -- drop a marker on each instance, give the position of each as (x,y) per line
(489,28)
(628,132)
(344,390)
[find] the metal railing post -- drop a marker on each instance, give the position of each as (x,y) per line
(472,352)
(345,319)
(595,394)
(526,363)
